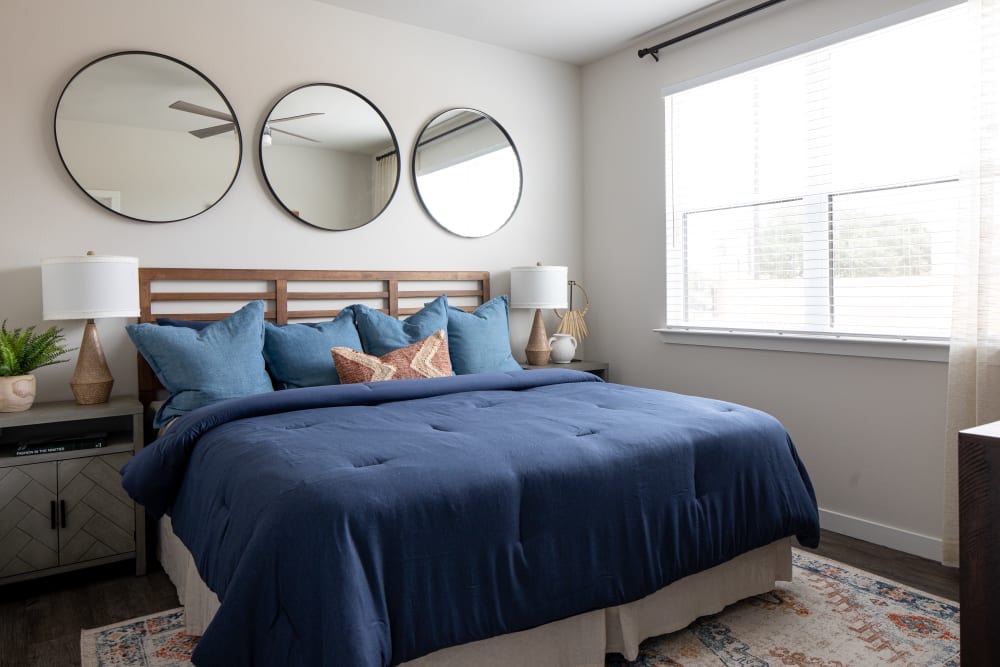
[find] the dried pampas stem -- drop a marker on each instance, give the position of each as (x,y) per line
(572,322)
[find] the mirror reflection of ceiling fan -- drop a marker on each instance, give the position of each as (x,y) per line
(230,125)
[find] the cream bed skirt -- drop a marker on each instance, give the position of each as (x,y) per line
(578,641)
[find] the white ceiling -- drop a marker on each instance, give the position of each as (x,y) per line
(574,31)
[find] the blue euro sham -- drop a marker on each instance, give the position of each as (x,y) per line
(381,333)
(371,524)
(298,355)
(479,342)
(205,364)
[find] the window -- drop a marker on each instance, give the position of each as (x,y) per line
(821,195)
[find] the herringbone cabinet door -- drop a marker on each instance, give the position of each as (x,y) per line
(27,540)
(99,515)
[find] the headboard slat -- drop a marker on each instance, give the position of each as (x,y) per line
(281,300)
(394,298)
(431,294)
(212,296)
(302,296)
(282,296)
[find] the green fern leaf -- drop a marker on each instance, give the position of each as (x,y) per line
(23,351)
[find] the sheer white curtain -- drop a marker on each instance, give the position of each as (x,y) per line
(385,181)
(974,364)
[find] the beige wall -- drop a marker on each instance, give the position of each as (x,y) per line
(869,430)
(255,51)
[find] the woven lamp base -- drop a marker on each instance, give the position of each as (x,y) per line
(537,350)
(91,393)
(92,380)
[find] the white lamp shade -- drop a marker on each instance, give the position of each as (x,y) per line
(538,286)
(90,286)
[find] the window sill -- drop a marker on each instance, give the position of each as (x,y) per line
(917,350)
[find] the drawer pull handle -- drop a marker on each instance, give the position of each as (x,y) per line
(62,513)
(52,514)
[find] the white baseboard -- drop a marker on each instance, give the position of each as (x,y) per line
(870,531)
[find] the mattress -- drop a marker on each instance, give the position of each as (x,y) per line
(578,641)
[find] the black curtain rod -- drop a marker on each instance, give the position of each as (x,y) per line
(452,130)
(655,50)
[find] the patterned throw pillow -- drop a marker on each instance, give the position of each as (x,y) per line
(427,358)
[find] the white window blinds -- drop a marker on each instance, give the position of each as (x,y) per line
(821,194)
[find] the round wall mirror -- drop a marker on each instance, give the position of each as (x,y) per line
(329,156)
(467,172)
(148,136)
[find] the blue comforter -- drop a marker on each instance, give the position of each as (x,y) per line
(372,524)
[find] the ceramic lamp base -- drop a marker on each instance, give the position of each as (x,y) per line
(537,350)
(92,380)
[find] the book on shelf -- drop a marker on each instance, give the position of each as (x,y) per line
(55,445)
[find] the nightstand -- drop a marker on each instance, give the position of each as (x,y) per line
(598,368)
(63,507)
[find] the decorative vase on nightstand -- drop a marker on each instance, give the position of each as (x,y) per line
(563,348)
(17,393)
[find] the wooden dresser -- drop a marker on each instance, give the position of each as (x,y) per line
(979,534)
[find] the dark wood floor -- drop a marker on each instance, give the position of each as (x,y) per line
(926,575)
(40,620)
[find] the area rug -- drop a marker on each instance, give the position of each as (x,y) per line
(829,615)
(157,640)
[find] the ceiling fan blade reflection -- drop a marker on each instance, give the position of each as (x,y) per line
(274,129)
(304,115)
(206,132)
(181,105)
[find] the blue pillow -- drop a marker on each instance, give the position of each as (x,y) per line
(200,367)
(381,334)
(298,355)
(479,342)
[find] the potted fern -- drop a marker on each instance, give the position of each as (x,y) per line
(21,352)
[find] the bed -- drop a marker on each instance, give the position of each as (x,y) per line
(488,518)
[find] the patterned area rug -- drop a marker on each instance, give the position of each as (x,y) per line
(830,615)
(157,640)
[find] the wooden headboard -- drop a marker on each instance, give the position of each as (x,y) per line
(212,294)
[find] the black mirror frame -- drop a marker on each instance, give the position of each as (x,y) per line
(270,187)
(232,112)
(513,146)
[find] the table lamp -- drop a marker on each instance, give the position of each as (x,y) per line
(84,288)
(538,287)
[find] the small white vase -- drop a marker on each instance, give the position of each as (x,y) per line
(17,393)
(563,348)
